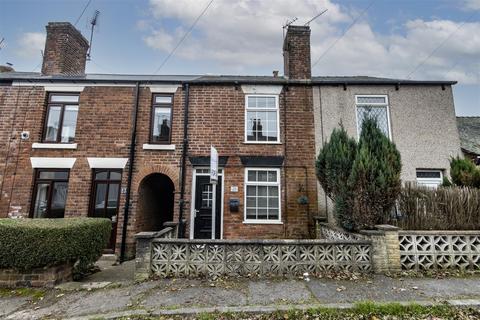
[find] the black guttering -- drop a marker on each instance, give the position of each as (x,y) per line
(181,225)
(130,173)
(220,80)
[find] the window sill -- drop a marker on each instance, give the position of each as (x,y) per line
(261,222)
(261,142)
(54,146)
(168,147)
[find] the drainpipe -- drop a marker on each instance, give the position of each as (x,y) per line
(181,225)
(131,160)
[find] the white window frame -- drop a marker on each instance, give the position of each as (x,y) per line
(277,184)
(429,182)
(277,110)
(385,104)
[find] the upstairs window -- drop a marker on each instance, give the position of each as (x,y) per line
(61,119)
(375,107)
(429,178)
(161,122)
(261,119)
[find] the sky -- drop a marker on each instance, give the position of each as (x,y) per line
(407,39)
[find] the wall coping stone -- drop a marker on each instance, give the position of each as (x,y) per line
(439,232)
(153,234)
(261,241)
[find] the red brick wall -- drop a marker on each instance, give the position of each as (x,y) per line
(296,53)
(103,130)
(65,50)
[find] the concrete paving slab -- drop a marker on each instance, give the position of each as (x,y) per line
(87,302)
(10,304)
(380,288)
(446,288)
(194,296)
(286,291)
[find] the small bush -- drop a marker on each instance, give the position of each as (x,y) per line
(30,243)
(452,208)
(464,173)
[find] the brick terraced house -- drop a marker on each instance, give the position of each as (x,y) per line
(136,148)
(117,146)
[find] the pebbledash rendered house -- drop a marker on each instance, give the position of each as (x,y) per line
(135,148)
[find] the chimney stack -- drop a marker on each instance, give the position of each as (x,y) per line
(296,53)
(65,50)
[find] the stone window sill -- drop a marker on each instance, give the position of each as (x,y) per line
(261,222)
(167,147)
(54,146)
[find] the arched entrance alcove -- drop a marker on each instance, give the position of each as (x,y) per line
(155,202)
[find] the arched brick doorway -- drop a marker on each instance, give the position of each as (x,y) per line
(155,202)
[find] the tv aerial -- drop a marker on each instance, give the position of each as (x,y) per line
(93,24)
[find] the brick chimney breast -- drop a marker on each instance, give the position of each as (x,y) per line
(65,50)
(296,53)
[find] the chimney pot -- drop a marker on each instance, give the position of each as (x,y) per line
(65,50)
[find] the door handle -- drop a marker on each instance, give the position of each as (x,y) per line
(195,212)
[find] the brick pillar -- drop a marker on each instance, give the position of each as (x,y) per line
(143,255)
(385,248)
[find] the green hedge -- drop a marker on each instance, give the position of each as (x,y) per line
(32,243)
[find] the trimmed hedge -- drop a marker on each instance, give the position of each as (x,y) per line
(31,243)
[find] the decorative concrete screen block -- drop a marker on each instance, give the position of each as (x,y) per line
(214,258)
(334,233)
(424,250)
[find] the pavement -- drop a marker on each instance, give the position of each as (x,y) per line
(111,293)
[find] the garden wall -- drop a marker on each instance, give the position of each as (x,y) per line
(38,277)
(215,258)
(426,250)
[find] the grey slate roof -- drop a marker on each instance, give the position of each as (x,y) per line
(469,130)
(323,80)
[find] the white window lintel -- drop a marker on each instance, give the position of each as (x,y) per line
(52,163)
(163,88)
(262,89)
(107,163)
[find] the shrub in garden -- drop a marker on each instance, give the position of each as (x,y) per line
(375,177)
(30,243)
(333,168)
(362,180)
(464,173)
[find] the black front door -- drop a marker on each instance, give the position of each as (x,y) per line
(203,208)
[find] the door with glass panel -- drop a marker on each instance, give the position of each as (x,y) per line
(50,193)
(105,198)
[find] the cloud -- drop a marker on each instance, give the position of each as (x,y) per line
(472,4)
(30,44)
(246,35)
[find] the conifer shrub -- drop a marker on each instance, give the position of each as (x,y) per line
(375,177)
(333,167)
(363,180)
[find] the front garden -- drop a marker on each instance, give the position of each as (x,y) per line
(41,252)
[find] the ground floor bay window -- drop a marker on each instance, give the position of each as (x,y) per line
(262,195)
(50,193)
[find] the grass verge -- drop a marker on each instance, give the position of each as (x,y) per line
(364,310)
